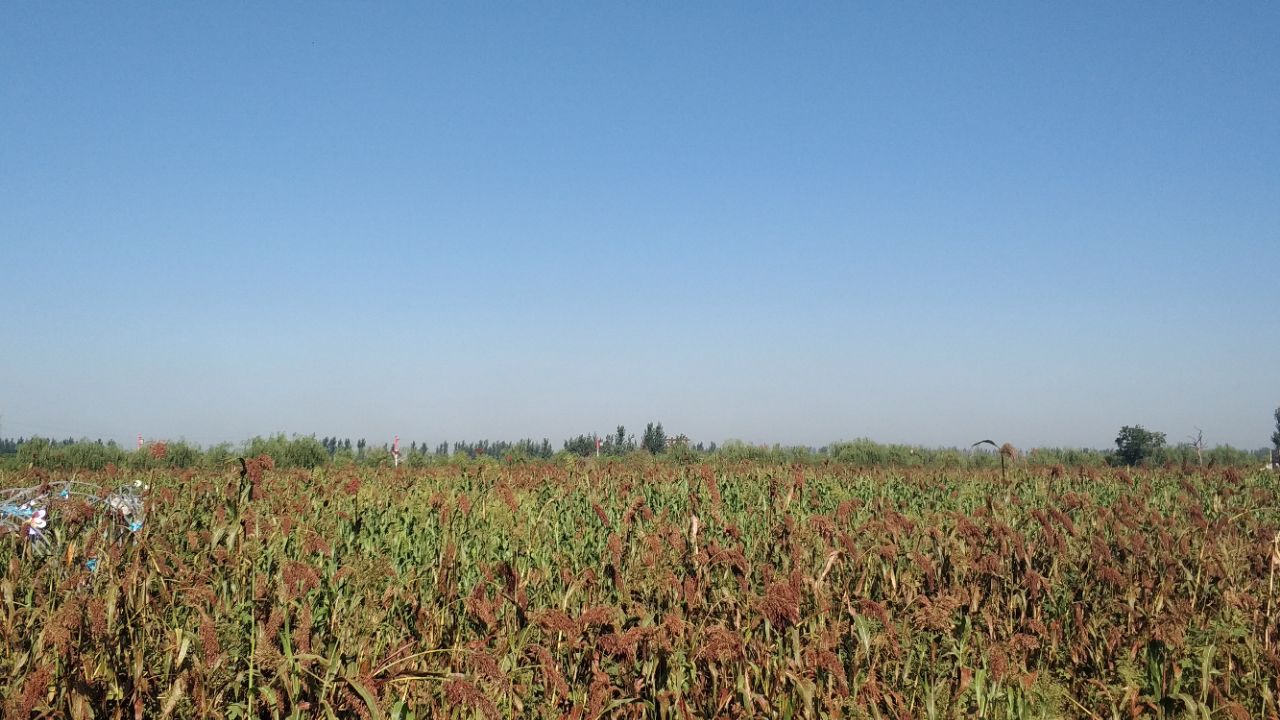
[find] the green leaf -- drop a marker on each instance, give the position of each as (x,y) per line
(366,696)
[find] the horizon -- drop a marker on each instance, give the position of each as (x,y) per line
(925,226)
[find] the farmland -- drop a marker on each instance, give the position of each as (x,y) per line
(639,588)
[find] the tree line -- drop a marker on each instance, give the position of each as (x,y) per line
(1135,445)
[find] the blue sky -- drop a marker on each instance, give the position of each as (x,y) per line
(917,222)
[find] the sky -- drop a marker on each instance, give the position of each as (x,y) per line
(796,223)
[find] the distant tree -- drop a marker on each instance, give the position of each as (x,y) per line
(655,439)
(1135,444)
(297,452)
(583,445)
(1197,443)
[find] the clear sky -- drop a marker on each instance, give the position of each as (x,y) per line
(788,222)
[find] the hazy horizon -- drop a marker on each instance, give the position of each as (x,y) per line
(927,225)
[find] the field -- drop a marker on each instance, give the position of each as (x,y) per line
(644,589)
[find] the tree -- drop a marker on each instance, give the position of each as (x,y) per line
(1135,444)
(583,445)
(1197,442)
(655,439)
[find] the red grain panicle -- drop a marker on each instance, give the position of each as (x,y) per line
(1236,711)
(601,514)
(846,508)
(1034,582)
(1111,576)
(600,693)
(937,614)
(653,549)
(824,526)
(461,692)
(597,616)
(484,665)
(510,580)
(875,610)
(827,662)
(1037,627)
(990,564)
(551,672)
(614,545)
(275,620)
(1022,644)
(316,545)
(691,592)
(713,487)
(352,485)
(302,630)
(555,621)
(210,648)
(719,643)
(671,632)
(998,661)
(97,617)
(254,468)
(1064,520)
(34,688)
(299,578)
(781,604)
(508,497)
(61,629)
(927,568)
(628,517)
(623,645)
(480,607)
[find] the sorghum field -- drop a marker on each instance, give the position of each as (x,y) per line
(643,589)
